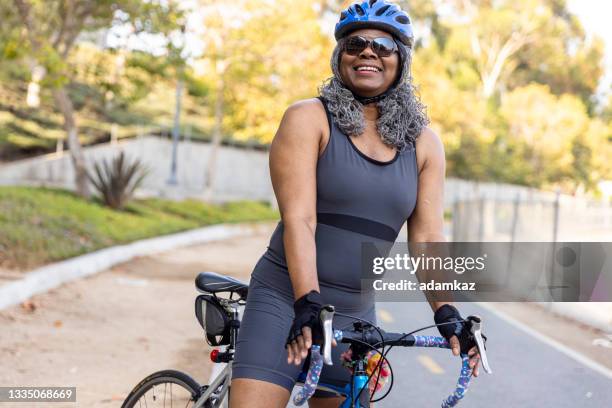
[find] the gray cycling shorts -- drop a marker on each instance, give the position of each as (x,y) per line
(268,315)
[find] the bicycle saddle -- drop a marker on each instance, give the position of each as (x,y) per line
(211,282)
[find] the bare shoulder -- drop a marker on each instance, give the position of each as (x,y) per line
(430,149)
(308,112)
(302,122)
(428,139)
(310,105)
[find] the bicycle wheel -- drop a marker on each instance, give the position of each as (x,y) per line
(167,388)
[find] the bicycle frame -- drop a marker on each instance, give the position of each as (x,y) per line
(223,378)
(358,382)
(364,339)
(354,392)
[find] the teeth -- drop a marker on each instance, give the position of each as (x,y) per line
(367,69)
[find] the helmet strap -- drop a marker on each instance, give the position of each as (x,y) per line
(365,100)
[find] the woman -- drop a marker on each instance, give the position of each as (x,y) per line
(345,170)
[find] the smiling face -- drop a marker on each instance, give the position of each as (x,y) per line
(367,81)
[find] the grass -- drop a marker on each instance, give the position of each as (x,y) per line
(38,225)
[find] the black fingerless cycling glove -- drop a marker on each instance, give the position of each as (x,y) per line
(448,314)
(455,327)
(307,309)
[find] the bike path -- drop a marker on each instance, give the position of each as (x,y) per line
(526,371)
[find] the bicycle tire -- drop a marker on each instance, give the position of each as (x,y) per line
(163,377)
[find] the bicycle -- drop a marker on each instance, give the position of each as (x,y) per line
(219,317)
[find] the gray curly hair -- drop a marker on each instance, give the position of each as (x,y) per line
(402,115)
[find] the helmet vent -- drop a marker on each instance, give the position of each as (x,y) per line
(372,2)
(342,15)
(359,10)
(382,10)
(402,19)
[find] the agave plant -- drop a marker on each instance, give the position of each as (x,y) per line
(117,180)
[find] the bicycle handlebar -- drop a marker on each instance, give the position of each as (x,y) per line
(474,323)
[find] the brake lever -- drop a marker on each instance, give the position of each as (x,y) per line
(326,317)
(476,331)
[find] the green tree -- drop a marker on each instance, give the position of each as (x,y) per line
(50,32)
(258,61)
(512,43)
(459,116)
(563,57)
(554,131)
(284,56)
(490,34)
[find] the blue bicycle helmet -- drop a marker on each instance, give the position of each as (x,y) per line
(379,14)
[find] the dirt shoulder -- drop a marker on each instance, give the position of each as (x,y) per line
(104,333)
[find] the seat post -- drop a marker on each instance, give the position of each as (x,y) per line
(234,326)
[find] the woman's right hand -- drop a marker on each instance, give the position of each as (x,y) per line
(307,310)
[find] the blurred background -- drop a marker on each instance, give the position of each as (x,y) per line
(194,91)
(129,119)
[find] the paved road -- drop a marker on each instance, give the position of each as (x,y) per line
(527,372)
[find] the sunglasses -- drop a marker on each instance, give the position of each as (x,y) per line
(382,46)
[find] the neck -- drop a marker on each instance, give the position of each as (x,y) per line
(370,112)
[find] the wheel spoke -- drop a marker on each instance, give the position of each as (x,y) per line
(174,389)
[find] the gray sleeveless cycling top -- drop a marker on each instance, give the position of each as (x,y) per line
(359,199)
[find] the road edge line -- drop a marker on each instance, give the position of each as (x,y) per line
(593,365)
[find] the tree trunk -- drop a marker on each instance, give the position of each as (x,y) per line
(216,139)
(37,73)
(76,151)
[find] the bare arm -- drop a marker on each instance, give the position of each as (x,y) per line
(293,161)
(426,224)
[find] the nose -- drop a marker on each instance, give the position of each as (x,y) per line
(368,52)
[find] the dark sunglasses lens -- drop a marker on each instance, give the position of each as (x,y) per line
(354,45)
(383,46)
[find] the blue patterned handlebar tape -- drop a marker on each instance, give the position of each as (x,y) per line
(312,378)
(431,341)
(316,365)
(462,384)
(464,377)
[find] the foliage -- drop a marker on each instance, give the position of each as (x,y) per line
(547,126)
(49,31)
(117,180)
(265,61)
(509,85)
(39,226)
